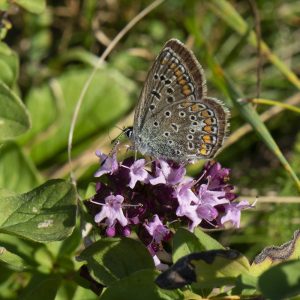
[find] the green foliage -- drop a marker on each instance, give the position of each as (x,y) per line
(139,285)
(108,261)
(33,6)
(46,213)
(9,65)
(281,281)
(17,172)
(51,109)
(13,114)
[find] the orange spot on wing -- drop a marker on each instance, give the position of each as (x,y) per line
(207,128)
(178,73)
(207,139)
(204,113)
(182,82)
(208,121)
(195,107)
(173,66)
(186,104)
(203,151)
(186,90)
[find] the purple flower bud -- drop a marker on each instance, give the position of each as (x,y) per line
(110,231)
(126,231)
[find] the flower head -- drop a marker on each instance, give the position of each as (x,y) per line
(134,193)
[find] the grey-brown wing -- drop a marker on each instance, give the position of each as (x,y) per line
(174,112)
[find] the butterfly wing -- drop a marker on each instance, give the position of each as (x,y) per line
(174,118)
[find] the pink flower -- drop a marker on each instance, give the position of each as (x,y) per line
(233,212)
(137,173)
(112,211)
(108,164)
(185,198)
(157,229)
(167,174)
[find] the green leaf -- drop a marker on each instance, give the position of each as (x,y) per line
(107,99)
(47,213)
(12,260)
(210,269)
(207,242)
(245,284)
(33,6)
(185,242)
(9,65)
(42,286)
(25,249)
(281,281)
(137,286)
(110,259)
(17,172)
(4,5)
(14,119)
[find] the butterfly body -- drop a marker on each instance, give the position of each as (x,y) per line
(174,119)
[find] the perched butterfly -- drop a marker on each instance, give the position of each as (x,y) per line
(174,119)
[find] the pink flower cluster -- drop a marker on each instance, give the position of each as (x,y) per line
(148,198)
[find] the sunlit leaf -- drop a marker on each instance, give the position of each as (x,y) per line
(33,6)
(14,119)
(46,213)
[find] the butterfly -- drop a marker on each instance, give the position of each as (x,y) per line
(174,118)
